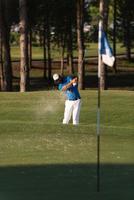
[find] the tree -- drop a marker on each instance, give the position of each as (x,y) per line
(125,21)
(104,11)
(63,21)
(114,32)
(5,37)
(1,62)
(24,69)
(70,25)
(80,43)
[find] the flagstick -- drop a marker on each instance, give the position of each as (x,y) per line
(98,138)
(98,107)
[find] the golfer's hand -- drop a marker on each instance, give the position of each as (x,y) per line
(74,80)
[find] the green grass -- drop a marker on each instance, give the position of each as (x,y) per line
(41,159)
(37,52)
(92,49)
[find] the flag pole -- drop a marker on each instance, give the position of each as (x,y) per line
(105,56)
(98,106)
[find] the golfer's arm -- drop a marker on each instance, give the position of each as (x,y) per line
(69,84)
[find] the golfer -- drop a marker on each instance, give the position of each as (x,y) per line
(69,86)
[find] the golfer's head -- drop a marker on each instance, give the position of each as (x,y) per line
(57,78)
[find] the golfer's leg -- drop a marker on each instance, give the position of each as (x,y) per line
(67,111)
(76,111)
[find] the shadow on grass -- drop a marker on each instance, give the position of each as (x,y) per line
(115,81)
(66,182)
(36,84)
(120,80)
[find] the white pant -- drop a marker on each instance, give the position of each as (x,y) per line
(72,108)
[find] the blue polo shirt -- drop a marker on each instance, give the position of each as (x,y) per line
(72,93)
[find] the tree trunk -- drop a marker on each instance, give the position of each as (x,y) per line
(1,65)
(30,48)
(128,41)
(6,60)
(70,54)
(69,47)
(24,69)
(70,62)
(62,58)
(114,34)
(104,15)
(48,52)
(127,32)
(44,53)
(80,43)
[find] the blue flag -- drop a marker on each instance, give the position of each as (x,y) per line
(105,50)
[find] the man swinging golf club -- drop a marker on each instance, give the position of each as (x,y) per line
(69,86)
